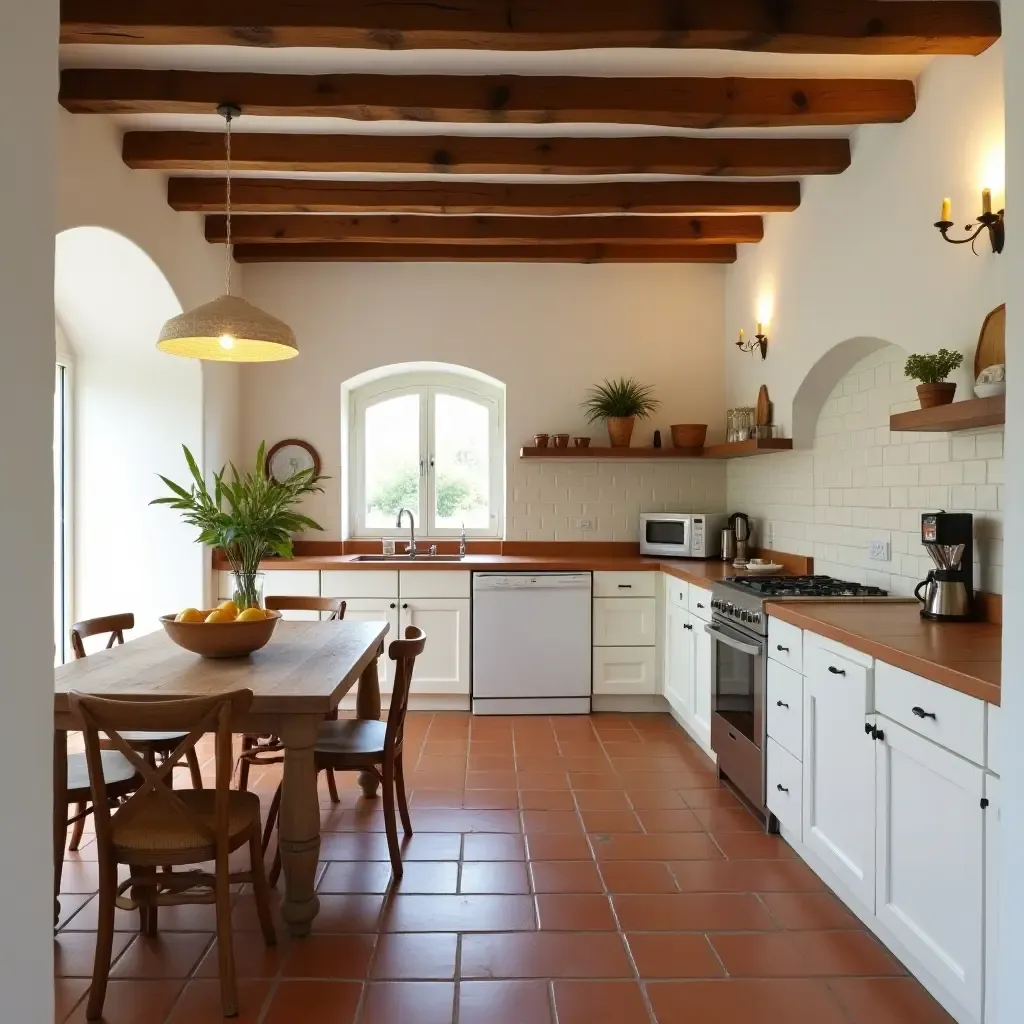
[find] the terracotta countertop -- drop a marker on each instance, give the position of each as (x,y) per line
(966,656)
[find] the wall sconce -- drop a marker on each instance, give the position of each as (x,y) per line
(992,221)
(760,341)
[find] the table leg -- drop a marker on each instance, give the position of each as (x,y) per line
(60,812)
(368,708)
(299,823)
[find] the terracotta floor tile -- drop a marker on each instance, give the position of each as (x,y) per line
(679,846)
(424,797)
(326,1002)
(565,876)
(355,876)
(610,822)
(595,780)
(505,1002)
(426,1002)
(66,994)
(641,876)
(752,846)
(79,877)
(494,847)
(888,1001)
(804,955)
(664,955)
(558,847)
(601,800)
(763,876)
(546,800)
(355,914)
(545,955)
(588,1002)
(491,780)
(721,797)
(134,1002)
(551,821)
(668,780)
(458,914)
(425,876)
(744,1002)
(406,956)
(462,820)
(495,876)
(167,955)
(374,846)
(491,799)
(492,762)
(200,1003)
(330,956)
(656,799)
(687,912)
(575,913)
(728,819)
(253,957)
(553,781)
(814,911)
(669,820)
(71,904)
(73,952)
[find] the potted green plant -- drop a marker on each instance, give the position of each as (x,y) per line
(620,403)
(248,516)
(932,369)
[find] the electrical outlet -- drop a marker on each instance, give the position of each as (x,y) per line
(878,550)
(583,524)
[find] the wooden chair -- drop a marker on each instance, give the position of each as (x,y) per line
(151,744)
(159,827)
(266,750)
(119,779)
(358,745)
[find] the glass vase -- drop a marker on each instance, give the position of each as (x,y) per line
(247,589)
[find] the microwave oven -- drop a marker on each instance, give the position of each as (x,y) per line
(682,534)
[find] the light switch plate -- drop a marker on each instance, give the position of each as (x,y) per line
(584,524)
(878,551)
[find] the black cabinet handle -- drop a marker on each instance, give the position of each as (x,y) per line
(732,735)
(837,671)
(784,650)
(686,625)
(921,713)
(699,605)
(393,605)
(625,586)
(869,729)
(781,788)
(405,606)
(879,735)
(781,704)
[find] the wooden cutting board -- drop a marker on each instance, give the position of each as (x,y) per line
(763,414)
(992,342)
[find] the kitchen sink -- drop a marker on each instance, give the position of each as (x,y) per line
(407,558)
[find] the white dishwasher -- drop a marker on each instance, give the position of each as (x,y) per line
(531,643)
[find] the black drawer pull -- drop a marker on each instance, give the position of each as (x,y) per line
(921,713)
(869,729)
(405,606)
(879,735)
(393,605)
(784,650)
(781,704)
(687,625)
(837,671)
(699,605)
(732,735)
(625,586)
(781,788)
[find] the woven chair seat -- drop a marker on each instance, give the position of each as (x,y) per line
(155,739)
(118,775)
(156,826)
(351,738)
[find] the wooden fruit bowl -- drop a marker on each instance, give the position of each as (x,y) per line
(221,639)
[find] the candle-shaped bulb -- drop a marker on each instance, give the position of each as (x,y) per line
(741,335)
(986,200)
(760,327)
(947,210)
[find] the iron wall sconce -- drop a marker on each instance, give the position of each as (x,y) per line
(760,341)
(994,222)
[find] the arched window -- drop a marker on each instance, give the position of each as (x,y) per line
(431,442)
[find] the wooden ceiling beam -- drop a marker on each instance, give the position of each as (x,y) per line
(409,154)
(358,252)
(506,99)
(796,26)
(300,195)
(300,228)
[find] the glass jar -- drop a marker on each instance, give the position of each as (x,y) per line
(247,589)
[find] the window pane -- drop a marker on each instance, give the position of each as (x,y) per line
(392,460)
(462,452)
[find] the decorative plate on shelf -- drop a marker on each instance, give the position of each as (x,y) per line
(289,457)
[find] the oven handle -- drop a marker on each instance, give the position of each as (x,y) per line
(717,634)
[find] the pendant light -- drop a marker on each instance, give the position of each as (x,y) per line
(229,329)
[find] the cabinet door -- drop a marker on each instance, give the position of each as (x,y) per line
(839,780)
(930,857)
(679,662)
(701,680)
(624,621)
(991,897)
(624,670)
(370,609)
(443,667)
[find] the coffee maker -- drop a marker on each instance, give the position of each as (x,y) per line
(948,591)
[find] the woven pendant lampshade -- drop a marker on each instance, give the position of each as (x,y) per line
(229,329)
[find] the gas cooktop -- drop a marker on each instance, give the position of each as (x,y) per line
(802,586)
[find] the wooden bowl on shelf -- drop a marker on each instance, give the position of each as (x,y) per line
(221,639)
(689,435)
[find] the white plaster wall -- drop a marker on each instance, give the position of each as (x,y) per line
(28,100)
(547,332)
(860,258)
(861,482)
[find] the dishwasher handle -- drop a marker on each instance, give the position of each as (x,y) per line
(736,645)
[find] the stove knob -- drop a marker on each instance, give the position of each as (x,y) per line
(745,616)
(755,617)
(728,608)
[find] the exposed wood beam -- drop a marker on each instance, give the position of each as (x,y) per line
(507,99)
(345,252)
(291,229)
(294,195)
(256,151)
(794,26)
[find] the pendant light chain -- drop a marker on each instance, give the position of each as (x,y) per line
(227,166)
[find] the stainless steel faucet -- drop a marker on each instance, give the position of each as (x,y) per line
(411,549)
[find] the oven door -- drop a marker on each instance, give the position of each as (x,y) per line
(738,669)
(671,536)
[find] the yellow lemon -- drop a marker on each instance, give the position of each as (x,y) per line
(251,615)
(190,615)
(228,606)
(221,615)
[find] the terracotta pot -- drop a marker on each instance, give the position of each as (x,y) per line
(689,435)
(561,440)
(581,442)
(540,440)
(931,395)
(620,430)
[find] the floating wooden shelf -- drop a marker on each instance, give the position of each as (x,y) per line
(735,450)
(968,415)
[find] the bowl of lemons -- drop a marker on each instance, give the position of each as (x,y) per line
(221,632)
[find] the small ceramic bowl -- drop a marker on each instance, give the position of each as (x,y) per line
(540,440)
(561,440)
(990,390)
(581,442)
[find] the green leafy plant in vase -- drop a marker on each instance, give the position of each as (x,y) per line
(248,516)
(932,369)
(620,403)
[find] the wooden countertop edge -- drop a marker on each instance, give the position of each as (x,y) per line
(944,674)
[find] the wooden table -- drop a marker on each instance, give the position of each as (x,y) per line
(299,677)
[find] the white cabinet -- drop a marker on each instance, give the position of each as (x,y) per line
(930,857)
(375,609)
(625,626)
(701,681)
(443,667)
(785,707)
(784,787)
(624,671)
(625,584)
(349,583)
(678,655)
(991,1015)
(700,602)
(839,774)
(624,621)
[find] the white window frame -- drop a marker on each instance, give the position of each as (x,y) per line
(427,385)
(63,489)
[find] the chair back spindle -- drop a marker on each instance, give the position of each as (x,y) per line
(115,625)
(404,654)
